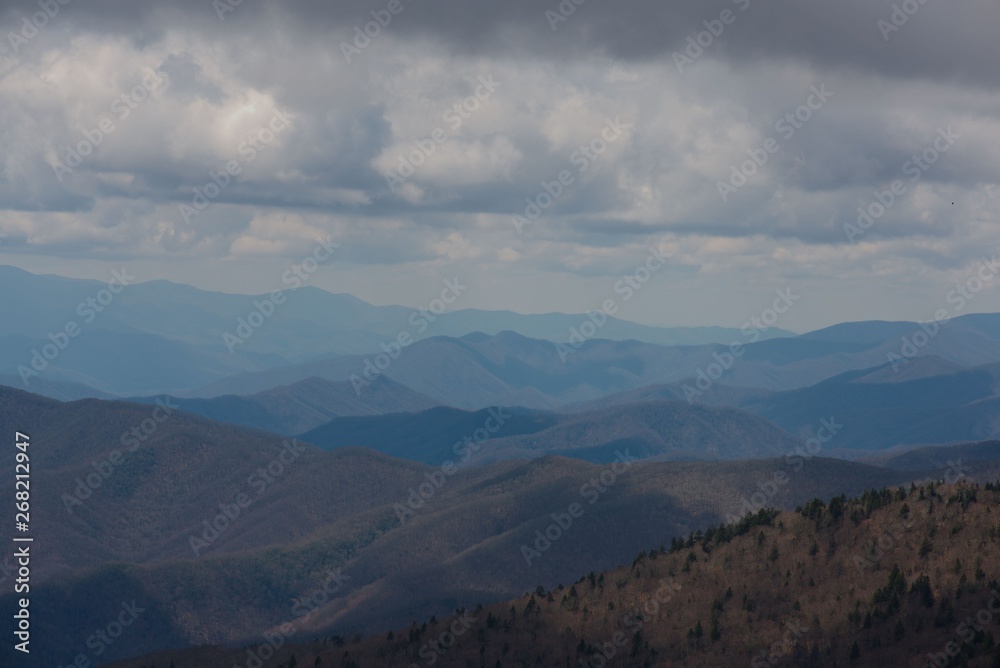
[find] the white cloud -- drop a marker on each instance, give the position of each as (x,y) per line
(355,120)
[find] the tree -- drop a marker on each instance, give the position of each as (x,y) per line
(922,587)
(836,508)
(925,547)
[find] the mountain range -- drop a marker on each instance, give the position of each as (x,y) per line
(892,577)
(213,493)
(128,337)
(215,530)
(655,430)
(927,401)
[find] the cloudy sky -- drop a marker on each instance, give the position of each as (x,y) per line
(116,116)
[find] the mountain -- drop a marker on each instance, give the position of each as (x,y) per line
(432,436)
(477,370)
(214,530)
(916,459)
(788,364)
(924,366)
(967,340)
(304,405)
(163,338)
(55,389)
(942,408)
(560,327)
(114,362)
(664,430)
(128,337)
(865,332)
(720,395)
(904,577)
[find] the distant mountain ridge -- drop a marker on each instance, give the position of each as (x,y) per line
(304,405)
(880,411)
(163,338)
(479,370)
(664,430)
(186,329)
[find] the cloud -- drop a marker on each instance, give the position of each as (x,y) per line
(223,81)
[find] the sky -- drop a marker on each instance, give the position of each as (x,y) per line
(536,151)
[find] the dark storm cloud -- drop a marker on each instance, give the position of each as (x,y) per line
(936,39)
